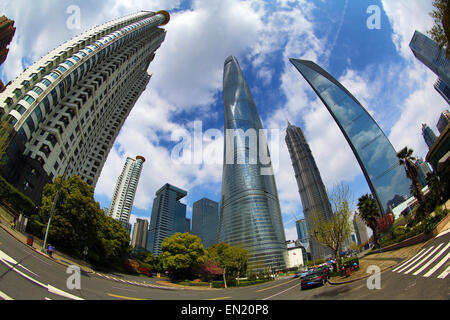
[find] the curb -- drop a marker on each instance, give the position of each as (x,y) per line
(37,251)
(362,278)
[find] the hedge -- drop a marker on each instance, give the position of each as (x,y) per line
(17,200)
(242,283)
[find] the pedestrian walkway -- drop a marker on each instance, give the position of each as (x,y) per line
(432,261)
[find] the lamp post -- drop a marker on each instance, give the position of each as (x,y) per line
(55,201)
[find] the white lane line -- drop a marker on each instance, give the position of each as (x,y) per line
(282,292)
(409,260)
(444,274)
(423,259)
(4,256)
(440,264)
(417,257)
(4,296)
(48,287)
(442,233)
(432,260)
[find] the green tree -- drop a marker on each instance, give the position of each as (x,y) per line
(222,254)
(180,253)
(440,32)
(239,260)
(332,232)
(78,222)
(405,158)
(370,213)
(5,139)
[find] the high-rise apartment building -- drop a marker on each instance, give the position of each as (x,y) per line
(428,135)
(140,231)
(372,149)
(72,102)
(360,229)
(205,221)
(310,186)
(125,191)
(168,216)
(250,215)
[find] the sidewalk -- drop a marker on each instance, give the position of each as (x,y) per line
(58,257)
(385,260)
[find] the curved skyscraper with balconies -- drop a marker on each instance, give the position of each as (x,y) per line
(72,103)
(372,149)
(250,215)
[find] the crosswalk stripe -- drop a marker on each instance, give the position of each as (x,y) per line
(4,296)
(408,261)
(423,259)
(432,260)
(429,273)
(445,273)
(414,260)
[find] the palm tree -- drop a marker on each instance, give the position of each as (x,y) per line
(406,159)
(370,213)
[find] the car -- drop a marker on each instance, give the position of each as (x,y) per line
(314,279)
(298,274)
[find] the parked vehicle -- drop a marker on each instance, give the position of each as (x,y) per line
(316,278)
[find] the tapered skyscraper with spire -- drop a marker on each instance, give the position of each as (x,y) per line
(250,215)
(310,186)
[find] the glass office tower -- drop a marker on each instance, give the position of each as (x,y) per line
(250,215)
(310,186)
(168,217)
(374,152)
(205,220)
(428,135)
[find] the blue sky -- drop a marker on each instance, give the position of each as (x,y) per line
(375,65)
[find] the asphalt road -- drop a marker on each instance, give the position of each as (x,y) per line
(28,275)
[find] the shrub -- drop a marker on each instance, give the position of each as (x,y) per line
(351,260)
(15,198)
(399,231)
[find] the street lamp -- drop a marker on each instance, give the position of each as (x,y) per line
(55,200)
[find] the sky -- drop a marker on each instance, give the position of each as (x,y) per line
(374,64)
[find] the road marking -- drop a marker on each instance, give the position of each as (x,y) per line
(222,298)
(50,288)
(123,297)
(5,257)
(4,296)
(442,233)
(423,259)
(409,260)
(431,261)
(429,273)
(276,285)
(414,260)
(445,273)
(282,292)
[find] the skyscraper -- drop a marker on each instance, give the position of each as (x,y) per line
(360,229)
(168,217)
(424,169)
(140,231)
(72,103)
(125,191)
(428,135)
(302,233)
(427,51)
(372,149)
(250,215)
(444,121)
(310,186)
(205,220)
(443,89)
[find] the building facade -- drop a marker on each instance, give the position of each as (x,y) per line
(296,257)
(205,221)
(443,90)
(310,186)
(125,191)
(424,170)
(250,215)
(360,229)
(372,149)
(140,231)
(428,52)
(168,216)
(428,135)
(7,31)
(444,121)
(302,232)
(68,107)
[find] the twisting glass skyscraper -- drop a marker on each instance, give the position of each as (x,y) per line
(310,186)
(372,149)
(250,215)
(72,102)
